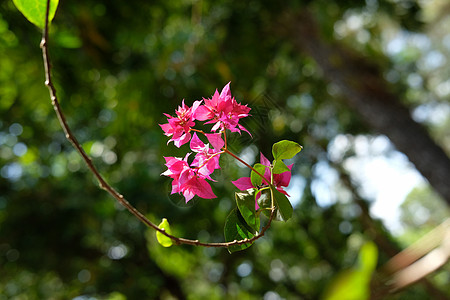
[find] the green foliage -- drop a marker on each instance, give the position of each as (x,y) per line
(246,204)
(279,167)
(354,284)
(285,149)
(255,178)
(35,10)
(162,239)
(284,207)
(116,296)
(178,262)
(367,259)
(237,229)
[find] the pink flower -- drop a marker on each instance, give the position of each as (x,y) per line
(243,183)
(178,169)
(196,185)
(223,110)
(206,159)
(279,180)
(178,127)
(187,181)
(216,140)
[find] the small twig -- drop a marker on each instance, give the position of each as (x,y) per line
(197,130)
(246,164)
(225,138)
(102,182)
(209,158)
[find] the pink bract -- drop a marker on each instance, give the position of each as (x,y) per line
(178,127)
(206,159)
(223,110)
(186,180)
(197,185)
(279,180)
(216,140)
(243,183)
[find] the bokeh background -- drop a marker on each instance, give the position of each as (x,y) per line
(348,80)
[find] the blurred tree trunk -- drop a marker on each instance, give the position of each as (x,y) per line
(364,89)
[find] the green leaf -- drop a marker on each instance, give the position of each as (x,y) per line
(162,239)
(237,229)
(367,259)
(246,204)
(279,167)
(349,285)
(254,177)
(277,216)
(34,10)
(284,206)
(285,149)
(264,201)
(354,284)
(116,296)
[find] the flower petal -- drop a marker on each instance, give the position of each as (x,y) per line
(182,140)
(202,113)
(197,186)
(244,129)
(243,183)
(226,92)
(264,161)
(216,140)
(196,144)
(284,178)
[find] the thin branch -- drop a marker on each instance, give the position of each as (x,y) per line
(102,182)
(246,164)
(225,138)
(197,130)
(208,159)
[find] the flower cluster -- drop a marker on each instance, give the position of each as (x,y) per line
(179,127)
(263,193)
(222,110)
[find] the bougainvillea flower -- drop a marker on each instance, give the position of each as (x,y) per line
(187,181)
(279,180)
(243,183)
(216,140)
(197,185)
(223,110)
(178,127)
(206,159)
(176,168)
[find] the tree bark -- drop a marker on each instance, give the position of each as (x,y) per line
(364,89)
